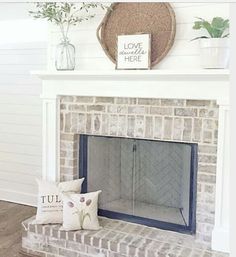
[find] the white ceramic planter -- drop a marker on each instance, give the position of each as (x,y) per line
(214,53)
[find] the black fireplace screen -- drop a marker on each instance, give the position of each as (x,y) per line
(144,181)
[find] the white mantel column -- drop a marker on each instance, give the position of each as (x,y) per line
(220,234)
(51,128)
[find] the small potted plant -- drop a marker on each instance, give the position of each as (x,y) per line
(65,15)
(214,45)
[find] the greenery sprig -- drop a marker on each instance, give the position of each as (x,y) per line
(64,14)
(217,28)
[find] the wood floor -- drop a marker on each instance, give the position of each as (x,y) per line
(11,216)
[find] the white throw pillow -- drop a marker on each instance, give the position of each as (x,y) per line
(80,211)
(50,205)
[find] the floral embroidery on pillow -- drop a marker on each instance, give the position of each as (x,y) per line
(80,210)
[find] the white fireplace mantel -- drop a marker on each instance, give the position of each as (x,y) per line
(178,84)
(189,84)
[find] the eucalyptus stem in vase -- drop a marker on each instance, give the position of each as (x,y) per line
(64,15)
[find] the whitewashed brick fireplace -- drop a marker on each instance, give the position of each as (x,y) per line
(182,106)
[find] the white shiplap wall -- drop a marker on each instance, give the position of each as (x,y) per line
(20,120)
(183,55)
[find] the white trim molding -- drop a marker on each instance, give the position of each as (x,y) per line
(50,165)
(178,84)
(203,84)
(220,234)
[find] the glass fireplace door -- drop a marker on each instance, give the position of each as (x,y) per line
(143,179)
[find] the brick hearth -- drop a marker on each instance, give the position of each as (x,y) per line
(115,239)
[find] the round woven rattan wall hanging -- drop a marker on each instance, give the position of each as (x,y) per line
(158,19)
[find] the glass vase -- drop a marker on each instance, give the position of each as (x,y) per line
(65,56)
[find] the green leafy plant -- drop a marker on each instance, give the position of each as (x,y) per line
(64,14)
(217,28)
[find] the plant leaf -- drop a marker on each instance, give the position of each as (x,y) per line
(226,23)
(215,29)
(218,26)
(225,35)
(83,218)
(65,13)
(197,25)
(208,27)
(200,18)
(198,38)
(217,23)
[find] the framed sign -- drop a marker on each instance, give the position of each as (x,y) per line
(133,52)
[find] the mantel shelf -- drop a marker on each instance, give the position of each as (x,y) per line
(174,84)
(201,74)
